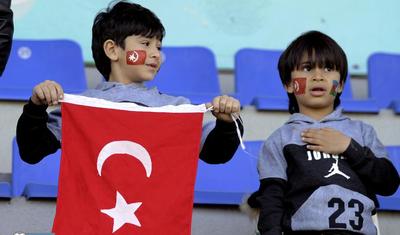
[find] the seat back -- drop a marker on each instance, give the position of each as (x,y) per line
(44,173)
(34,61)
(257,75)
(392,203)
(228,183)
(189,72)
(383,78)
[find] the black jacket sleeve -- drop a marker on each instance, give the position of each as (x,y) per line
(35,140)
(221,143)
(6,32)
(271,194)
(377,173)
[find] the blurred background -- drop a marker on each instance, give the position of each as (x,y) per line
(359,26)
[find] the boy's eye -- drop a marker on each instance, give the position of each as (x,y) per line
(306,68)
(146,43)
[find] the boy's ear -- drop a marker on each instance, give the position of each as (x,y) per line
(289,87)
(110,49)
(340,87)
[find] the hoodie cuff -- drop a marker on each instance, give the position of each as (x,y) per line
(225,126)
(35,111)
(354,153)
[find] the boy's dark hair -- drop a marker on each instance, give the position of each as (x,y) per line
(322,49)
(120,20)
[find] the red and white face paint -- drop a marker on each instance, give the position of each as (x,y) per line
(136,57)
(299,86)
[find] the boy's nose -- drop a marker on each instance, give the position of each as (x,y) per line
(318,75)
(155,53)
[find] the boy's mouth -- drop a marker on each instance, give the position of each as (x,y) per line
(153,65)
(317,91)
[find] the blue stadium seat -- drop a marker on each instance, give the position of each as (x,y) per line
(392,203)
(5,189)
(351,105)
(257,79)
(228,183)
(35,181)
(34,61)
(383,78)
(396,106)
(189,72)
(257,82)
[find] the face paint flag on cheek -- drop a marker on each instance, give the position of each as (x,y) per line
(135,57)
(333,91)
(299,85)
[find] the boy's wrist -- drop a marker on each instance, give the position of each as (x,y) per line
(34,109)
(354,153)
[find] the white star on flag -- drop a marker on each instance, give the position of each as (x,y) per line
(123,213)
(133,57)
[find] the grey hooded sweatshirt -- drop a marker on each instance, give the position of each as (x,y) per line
(303,190)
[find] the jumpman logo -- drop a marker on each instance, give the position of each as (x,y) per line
(335,170)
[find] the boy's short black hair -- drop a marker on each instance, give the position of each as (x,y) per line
(120,20)
(322,49)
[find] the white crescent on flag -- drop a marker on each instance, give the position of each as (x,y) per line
(125,147)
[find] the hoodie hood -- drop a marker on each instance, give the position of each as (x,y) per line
(299,118)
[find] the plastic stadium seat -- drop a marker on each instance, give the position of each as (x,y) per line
(35,181)
(34,61)
(392,203)
(351,105)
(257,79)
(228,183)
(383,79)
(257,82)
(396,106)
(189,72)
(5,189)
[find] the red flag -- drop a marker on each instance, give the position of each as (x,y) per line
(127,169)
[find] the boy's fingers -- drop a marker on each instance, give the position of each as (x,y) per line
(47,95)
(215,103)
(60,91)
(54,95)
(228,106)
(314,147)
(222,104)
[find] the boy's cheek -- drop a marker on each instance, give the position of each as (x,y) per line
(335,85)
(299,86)
(136,57)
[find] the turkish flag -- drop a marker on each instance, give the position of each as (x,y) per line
(136,57)
(299,85)
(127,169)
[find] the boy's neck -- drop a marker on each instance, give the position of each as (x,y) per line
(316,114)
(119,79)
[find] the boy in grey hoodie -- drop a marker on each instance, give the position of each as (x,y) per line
(320,172)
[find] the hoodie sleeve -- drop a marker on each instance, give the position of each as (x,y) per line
(34,138)
(272,170)
(221,143)
(370,162)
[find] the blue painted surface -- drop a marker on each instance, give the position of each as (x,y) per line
(360,27)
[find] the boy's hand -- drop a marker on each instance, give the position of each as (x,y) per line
(224,106)
(47,93)
(326,140)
